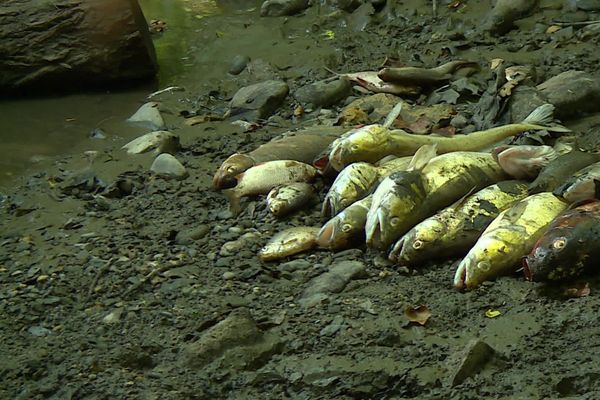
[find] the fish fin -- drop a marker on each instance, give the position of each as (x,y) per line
(234,201)
(460,201)
(422,157)
(391,117)
(542,117)
(596,188)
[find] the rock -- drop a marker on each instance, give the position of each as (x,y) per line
(258,101)
(168,166)
(470,361)
(71,44)
(333,327)
(188,236)
(376,107)
(324,93)
(280,8)
(294,265)
(332,281)
(588,5)
(228,275)
(238,64)
(148,116)
(349,5)
(573,93)
(505,13)
(238,329)
(159,141)
(523,100)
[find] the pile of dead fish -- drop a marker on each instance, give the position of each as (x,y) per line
(428,197)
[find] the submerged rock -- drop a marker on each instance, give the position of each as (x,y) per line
(161,141)
(332,281)
(238,64)
(279,8)
(168,166)
(258,101)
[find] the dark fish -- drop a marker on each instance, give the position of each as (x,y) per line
(560,169)
(570,246)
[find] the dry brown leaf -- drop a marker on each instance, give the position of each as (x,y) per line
(553,29)
(581,290)
(419,315)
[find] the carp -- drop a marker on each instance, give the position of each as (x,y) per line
(507,239)
(568,248)
(289,242)
(284,199)
(583,185)
(422,76)
(455,229)
(525,161)
(560,169)
(346,228)
(373,142)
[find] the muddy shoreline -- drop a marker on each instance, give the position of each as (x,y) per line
(112,298)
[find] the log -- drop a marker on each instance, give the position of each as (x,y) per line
(62,45)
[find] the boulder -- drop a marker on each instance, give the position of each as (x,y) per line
(280,8)
(167,166)
(258,101)
(573,93)
(324,93)
(59,45)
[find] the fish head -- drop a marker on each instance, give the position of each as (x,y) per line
(352,184)
(395,203)
(418,244)
(362,144)
(225,177)
(523,162)
(481,264)
(341,231)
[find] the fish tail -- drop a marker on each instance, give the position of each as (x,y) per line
(542,117)
(234,201)
(391,117)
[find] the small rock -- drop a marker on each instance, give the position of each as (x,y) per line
(228,275)
(168,166)
(39,331)
(280,8)
(238,64)
(149,116)
(523,100)
(470,361)
(333,327)
(188,236)
(113,317)
(573,93)
(160,141)
(258,101)
(332,281)
(237,329)
(294,265)
(588,5)
(324,93)
(505,13)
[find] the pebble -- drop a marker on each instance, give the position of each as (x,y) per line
(229,276)
(168,166)
(160,141)
(470,361)
(332,281)
(238,64)
(324,93)
(333,327)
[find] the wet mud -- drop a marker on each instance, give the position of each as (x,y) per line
(157,292)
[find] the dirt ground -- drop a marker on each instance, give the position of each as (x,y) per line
(135,297)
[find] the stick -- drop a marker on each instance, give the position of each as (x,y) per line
(583,23)
(434,8)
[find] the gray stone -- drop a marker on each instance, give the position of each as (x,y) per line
(149,116)
(258,101)
(333,327)
(332,281)
(588,5)
(238,64)
(280,8)
(324,93)
(573,93)
(505,13)
(168,166)
(470,361)
(188,236)
(523,100)
(159,141)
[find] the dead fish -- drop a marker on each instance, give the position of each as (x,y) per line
(282,200)
(373,83)
(508,238)
(262,178)
(289,242)
(422,76)
(568,248)
(347,228)
(454,230)
(504,14)
(560,169)
(525,161)
(303,146)
(404,199)
(583,185)
(373,142)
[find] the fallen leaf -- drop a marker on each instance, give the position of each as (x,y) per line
(582,290)
(553,29)
(419,314)
(495,62)
(492,313)
(329,35)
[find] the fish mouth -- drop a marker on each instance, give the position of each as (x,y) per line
(329,208)
(396,252)
(375,231)
(222,180)
(460,277)
(526,269)
(326,235)
(336,157)
(321,163)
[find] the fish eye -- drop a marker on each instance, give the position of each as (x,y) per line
(346,228)
(231,169)
(559,243)
(484,265)
(354,147)
(394,221)
(417,245)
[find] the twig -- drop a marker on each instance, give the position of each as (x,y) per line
(434,8)
(101,271)
(149,276)
(582,23)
